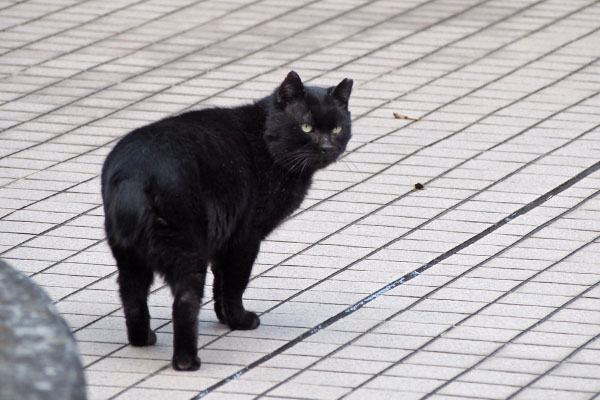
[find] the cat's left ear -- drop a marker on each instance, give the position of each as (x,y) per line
(291,89)
(342,91)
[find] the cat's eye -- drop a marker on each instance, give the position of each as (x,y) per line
(307,128)
(337,129)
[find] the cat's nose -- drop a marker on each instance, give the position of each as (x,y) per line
(325,144)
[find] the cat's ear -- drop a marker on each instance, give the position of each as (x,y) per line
(342,91)
(291,89)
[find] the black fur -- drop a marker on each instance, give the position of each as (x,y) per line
(206,187)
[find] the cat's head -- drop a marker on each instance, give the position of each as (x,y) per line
(308,127)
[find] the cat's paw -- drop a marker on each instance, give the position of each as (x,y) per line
(219,313)
(141,340)
(244,322)
(186,362)
(151,338)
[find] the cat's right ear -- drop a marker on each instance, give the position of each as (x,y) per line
(342,91)
(291,89)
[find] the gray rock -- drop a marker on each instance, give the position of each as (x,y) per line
(38,355)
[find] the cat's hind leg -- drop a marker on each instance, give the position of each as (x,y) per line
(231,269)
(134,285)
(188,289)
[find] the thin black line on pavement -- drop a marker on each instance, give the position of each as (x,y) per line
(445,285)
(495,301)
(407,277)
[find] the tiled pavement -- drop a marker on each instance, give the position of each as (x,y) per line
(484,285)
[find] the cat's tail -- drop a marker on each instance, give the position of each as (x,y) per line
(126,209)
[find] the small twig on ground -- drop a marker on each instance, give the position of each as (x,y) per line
(401,116)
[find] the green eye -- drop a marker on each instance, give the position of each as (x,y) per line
(337,129)
(307,128)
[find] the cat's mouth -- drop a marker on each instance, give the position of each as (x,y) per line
(325,157)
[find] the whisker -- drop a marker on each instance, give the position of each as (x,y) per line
(305,163)
(348,165)
(294,159)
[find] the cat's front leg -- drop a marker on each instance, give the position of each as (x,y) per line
(231,270)
(188,291)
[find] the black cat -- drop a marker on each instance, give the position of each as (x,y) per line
(206,187)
